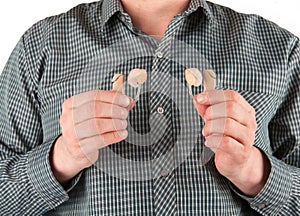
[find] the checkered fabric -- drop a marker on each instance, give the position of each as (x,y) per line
(162,168)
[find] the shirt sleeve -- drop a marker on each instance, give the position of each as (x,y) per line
(27,185)
(281,194)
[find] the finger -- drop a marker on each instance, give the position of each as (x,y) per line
(95,127)
(114,97)
(201,109)
(110,125)
(231,128)
(114,137)
(231,110)
(111,97)
(228,152)
(89,144)
(131,105)
(221,96)
(224,144)
(98,110)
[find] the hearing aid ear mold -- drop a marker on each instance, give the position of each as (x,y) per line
(209,80)
(136,78)
(193,77)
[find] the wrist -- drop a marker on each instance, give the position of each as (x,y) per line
(254,176)
(62,167)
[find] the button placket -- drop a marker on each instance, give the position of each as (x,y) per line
(163,163)
(164,186)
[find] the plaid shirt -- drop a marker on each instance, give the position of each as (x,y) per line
(162,168)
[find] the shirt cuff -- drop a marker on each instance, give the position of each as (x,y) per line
(275,193)
(41,176)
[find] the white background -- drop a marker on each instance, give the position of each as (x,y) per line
(16,16)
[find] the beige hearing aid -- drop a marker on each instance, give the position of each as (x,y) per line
(136,78)
(209,80)
(193,77)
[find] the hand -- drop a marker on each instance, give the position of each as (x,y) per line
(229,130)
(89,121)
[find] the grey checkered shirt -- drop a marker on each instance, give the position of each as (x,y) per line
(162,168)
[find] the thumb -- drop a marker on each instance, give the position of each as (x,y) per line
(131,105)
(199,103)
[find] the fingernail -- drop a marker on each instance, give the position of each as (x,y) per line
(202,98)
(206,143)
(124,123)
(123,112)
(123,134)
(126,101)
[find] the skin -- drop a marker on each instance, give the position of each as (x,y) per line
(89,121)
(229,130)
(70,155)
(229,134)
(154,16)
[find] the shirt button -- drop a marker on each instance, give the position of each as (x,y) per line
(160,110)
(164,173)
(261,205)
(159,54)
(123,19)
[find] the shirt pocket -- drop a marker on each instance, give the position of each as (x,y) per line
(265,106)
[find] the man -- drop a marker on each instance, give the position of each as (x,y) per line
(60,118)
